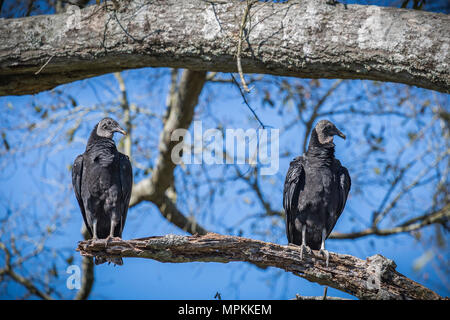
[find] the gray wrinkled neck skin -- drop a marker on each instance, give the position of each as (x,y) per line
(324,139)
(320,154)
(319,130)
(97,142)
(104,133)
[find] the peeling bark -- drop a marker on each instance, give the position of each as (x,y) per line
(373,278)
(309,39)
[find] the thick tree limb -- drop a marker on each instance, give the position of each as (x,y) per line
(308,39)
(373,278)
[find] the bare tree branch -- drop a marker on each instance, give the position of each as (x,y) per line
(87,269)
(413,224)
(170,211)
(373,278)
(180,117)
(241,38)
(404,190)
(182,100)
(124,103)
(9,271)
(299,297)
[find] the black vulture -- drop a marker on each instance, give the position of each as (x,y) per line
(315,191)
(102,180)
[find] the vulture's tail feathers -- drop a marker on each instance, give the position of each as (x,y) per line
(113,260)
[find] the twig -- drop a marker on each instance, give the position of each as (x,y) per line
(416,181)
(8,270)
(45,64)
(299,297)
(246,102)
(125,31)
(239,49)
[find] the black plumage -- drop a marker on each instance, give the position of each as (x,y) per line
(315,190)
(102,180)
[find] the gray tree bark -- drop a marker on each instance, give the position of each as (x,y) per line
(307,38)
(373,278)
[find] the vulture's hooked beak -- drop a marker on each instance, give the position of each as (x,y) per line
(340,134)
(120,130)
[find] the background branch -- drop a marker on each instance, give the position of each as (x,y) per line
(182,99)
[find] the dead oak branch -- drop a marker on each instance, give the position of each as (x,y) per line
(373,278)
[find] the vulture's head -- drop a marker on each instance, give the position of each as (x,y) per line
(107,126)
(326,131)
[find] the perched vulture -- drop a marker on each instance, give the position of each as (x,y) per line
(315,191)
(102,180)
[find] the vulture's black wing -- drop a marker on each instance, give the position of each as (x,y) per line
(126,180)
(344,188)
(293,185)
(77,173)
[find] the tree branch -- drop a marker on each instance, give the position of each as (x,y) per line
(170,211)
(308,39)
(183,98)
(28,284)
(126,141)
(373,278)
(181,112)
(87,267)
(239,48)
(439,216)
(299,297)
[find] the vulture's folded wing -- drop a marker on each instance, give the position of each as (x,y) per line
(77,173)
(344,188)
(293,185)
(126,179)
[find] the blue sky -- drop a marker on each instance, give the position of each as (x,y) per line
(25,178)
(37,184)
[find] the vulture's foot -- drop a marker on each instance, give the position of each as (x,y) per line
(115,260)
(304,247)
(109,239)
(102,241)
(326,254)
